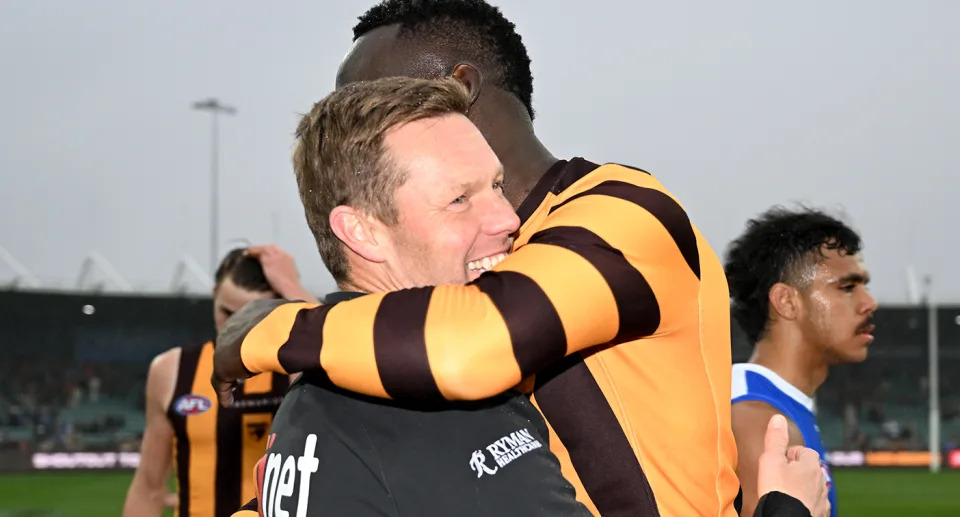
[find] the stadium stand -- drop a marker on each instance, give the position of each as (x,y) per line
(75,364)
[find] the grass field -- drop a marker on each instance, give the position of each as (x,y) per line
(874,493)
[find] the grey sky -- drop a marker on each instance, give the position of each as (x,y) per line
(848,104)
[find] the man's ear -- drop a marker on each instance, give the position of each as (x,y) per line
(784,301)
(471,77)
(359,232)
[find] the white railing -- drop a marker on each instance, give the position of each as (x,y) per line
(22,275)
(98,274)
(96,261)
(186,268)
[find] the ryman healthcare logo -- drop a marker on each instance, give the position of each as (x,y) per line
(191,404)
(503,451)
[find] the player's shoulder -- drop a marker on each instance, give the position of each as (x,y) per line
(750,380)
(749,419)
(583,171)
(166,361)
(162,376)
(628,182)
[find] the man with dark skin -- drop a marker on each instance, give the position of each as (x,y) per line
(798,285)
(652,284)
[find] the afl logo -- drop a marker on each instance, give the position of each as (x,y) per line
(191,404)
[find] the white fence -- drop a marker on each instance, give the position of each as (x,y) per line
(97,274)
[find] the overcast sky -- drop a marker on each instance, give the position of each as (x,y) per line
(735,106)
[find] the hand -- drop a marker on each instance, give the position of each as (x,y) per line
(795,471)
(228,367)
(281,271)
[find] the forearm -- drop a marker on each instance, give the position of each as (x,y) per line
(147,500)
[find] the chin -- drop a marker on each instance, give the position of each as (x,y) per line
(857,356)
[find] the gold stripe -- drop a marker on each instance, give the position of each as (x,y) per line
(258,384)
(253,450)
(447,344)
(350,362)
(262,343)
(202,432)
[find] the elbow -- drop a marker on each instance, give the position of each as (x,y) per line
(458,379)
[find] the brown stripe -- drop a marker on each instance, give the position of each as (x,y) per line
(400,345)
(670,214)
(301,351)
(580,414)
(636,304)
(535,328)
(631,167)
(555,180)
(186,371)
(229,462)
(279,385)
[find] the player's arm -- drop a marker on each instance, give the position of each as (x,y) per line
(584,280)
(750,419)
(148,494)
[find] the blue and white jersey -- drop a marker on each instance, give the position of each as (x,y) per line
(755,382)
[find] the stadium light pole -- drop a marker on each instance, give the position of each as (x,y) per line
(933,376)
(215,107)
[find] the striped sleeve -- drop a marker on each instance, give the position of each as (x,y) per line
(612,262)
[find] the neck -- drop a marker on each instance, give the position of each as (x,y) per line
(524,157)
(361,280)
(793,359)
(347,286)
(524,168)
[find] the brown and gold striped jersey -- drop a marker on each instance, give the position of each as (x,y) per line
(217,448)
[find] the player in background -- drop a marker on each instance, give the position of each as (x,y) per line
(798,286)
(213,448)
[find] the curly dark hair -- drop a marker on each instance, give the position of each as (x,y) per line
(779,246)
(472,27)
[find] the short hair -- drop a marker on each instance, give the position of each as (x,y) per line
(473,27)
(340,158)
(779,245)
(246,272)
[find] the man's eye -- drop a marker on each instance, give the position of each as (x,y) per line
(459,200)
